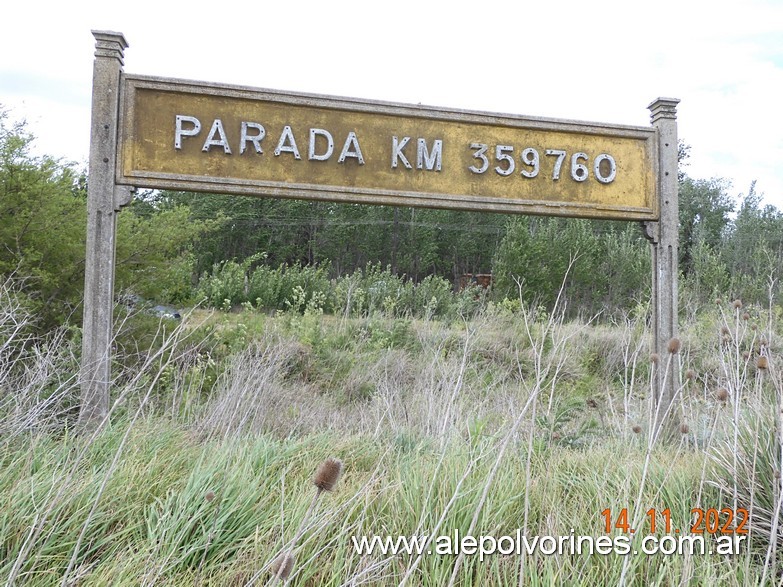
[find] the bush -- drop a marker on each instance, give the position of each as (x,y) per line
(365,292)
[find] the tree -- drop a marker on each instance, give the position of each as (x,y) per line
(611,269)
(705,208)
(42,219)
(42,234)
(754,247)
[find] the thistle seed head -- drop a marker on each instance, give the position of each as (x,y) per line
(674,346)
(684,428)
(636,429)
(690,374)
(746,316)
(722,395)
(737,304)
(724,331)
(655,358)
(762,363)
(283,565)
(210,496)
(328,474)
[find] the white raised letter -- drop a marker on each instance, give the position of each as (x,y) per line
(180,132)
(426,160)
(287,136)
(397,147)
(255,139)
(351,149)
(314,132)
(217,128)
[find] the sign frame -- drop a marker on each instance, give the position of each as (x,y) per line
(110,188)
(134,85)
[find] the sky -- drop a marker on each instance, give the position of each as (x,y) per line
(576,60)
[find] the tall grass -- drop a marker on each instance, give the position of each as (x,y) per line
(513,419)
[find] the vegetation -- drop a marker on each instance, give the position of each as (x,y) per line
(515,419)
(42,235)
(311,340)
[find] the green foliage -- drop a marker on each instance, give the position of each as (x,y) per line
(232,283)
(705,208)
(298,288)
(611,265)
(743,257)
(154,252)
(709,276)
(42,234)
(410,241)
(42,220)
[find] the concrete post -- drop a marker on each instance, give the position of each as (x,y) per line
(104,200)
(664,236)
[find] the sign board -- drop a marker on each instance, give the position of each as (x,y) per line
(195,136)
(149,132)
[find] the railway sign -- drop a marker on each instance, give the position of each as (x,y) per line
(150,132)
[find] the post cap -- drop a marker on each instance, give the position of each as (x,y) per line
(663,108)
(110,44)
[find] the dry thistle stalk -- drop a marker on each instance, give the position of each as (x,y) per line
(328,474)
(325,479)
(283,565)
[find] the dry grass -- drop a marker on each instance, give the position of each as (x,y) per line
(515,419)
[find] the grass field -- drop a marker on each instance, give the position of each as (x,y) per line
(511,420)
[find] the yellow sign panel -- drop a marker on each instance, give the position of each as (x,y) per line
(224,139)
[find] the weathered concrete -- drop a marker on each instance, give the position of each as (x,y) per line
(104,200)
(664,237)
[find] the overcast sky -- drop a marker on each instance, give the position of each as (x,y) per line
(591,61)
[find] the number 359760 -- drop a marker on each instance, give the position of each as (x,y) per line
(603,168)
